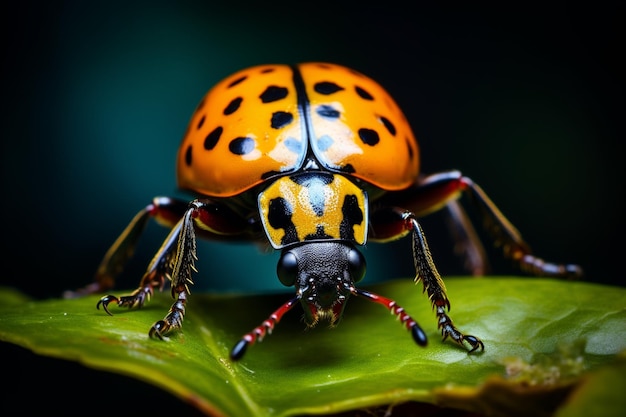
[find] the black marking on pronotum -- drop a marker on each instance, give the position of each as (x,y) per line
(307,177)
(279,215)
(320,234)
(352,215)
(212,138)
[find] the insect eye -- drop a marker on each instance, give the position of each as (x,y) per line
(287,269)
(356,263)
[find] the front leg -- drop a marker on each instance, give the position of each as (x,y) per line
(174,318)
(182,264)
(394,223)
(175,260)
(434,286)
(159,268)
(437,191)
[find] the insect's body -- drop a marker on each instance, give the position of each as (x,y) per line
(315,159)
(274,120)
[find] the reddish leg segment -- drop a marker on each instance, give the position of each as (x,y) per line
(212,219)
(467,244)
(439,190)
(175,259)
(416,331)
(434,286)
(259,332)
(402,222)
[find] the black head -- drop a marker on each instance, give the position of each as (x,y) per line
(323,274)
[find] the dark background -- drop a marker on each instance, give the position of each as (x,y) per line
(527,101)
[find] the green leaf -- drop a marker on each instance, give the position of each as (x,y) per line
(543,339)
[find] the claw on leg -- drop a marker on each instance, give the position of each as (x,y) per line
(136,299)
(449,329)
(105,301)
(173,320)
(158,329)
(435,288)
(474,342)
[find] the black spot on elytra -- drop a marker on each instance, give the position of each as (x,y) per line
(352,215)
(368,136)
(327,111)
(237,81)
(267,70)
(281,119)
(201,122)
(388,125)
(410,148)
(233,106)
(348,168)
(279,215)
(188,156)
(327,87)
(273,93)
(241,146)
(212,138)
(363,94)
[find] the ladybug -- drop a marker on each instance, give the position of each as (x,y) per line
(314,159)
